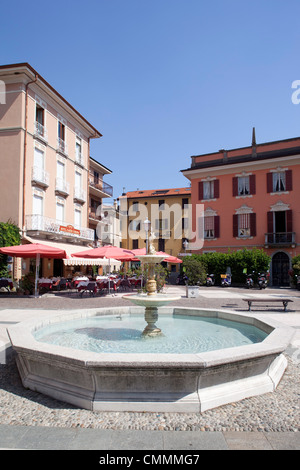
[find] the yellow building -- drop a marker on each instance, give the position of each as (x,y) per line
(167,209)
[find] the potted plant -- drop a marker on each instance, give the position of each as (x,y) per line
(195,273)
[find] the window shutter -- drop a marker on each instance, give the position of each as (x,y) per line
(235,186)
(269,182)
(216,189)
(200,190)
(288,180)
(235,225)
(253,225)
(289,221)
(252,184)
(270,222)
(217,226)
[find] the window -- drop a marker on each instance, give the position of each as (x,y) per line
(61,131)
(161,224)
(77,217)
(77,180)
(60,170)
(78,150)
(60,211)
(39,115)
(211,226)
(39,159)
(208,190)
(244,225)
(135,206)
(161,204)
(279,181)
(37,205)
(243,185)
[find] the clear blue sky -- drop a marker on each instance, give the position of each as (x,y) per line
(164,79)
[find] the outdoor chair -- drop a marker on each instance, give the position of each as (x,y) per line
(91,288)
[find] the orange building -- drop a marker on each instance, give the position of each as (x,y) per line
(251,199)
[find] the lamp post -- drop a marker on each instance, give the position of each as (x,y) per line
(185,244)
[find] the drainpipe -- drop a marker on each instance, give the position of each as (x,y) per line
(25,151)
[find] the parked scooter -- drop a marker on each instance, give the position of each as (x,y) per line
(262,280)
(210,280)
(225,280)
(249,281)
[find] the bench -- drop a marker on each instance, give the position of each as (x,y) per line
(284,302)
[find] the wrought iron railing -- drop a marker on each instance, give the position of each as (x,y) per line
(40,223)
(280,238)
(39,176)
(40,131)
(62,186)
(79,194)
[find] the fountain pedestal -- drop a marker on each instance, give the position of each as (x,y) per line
(152,300)
(151,317)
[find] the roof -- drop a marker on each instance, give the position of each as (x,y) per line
(25,65)
(146,193)
(103,167)
(257,152)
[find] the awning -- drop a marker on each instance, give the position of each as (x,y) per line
(91,262)
(70,248)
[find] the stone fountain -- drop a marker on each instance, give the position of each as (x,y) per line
(152,299)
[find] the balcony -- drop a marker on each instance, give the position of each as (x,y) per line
(62,146)
(79,194)
(278,239)
(79,158)
(39,177)
(40,132)
(58,229)
(62,187)
(99,187)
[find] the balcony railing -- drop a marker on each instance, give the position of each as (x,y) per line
(101,186)
(39,223)
(39,176)
(62,186)
(79,158)
(40,131)
(62,146)
(280,238)
(79,194)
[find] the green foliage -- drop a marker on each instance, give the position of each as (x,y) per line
(160,274)
(295,268)
(238,261)
(27,284)
(9,236)
(195,270)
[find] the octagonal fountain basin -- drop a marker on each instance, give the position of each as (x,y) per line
(98,359)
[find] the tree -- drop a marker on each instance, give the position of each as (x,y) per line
(9,236)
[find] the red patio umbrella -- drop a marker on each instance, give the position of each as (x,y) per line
(106,251)
(109,252)
(34,250)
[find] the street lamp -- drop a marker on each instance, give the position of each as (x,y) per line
(185,244)
(147,226)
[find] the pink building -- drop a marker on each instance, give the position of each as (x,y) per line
(251,199)
(45,164)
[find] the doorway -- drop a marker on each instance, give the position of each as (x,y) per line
(280,269)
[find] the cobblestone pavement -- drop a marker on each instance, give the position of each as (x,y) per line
(272,414)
